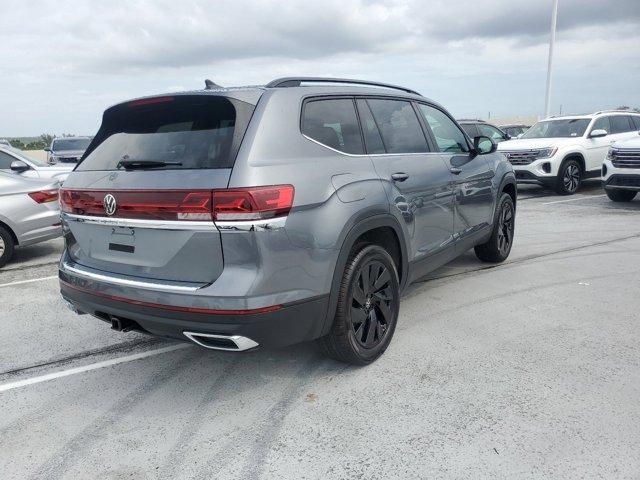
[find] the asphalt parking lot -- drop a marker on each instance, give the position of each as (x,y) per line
(529,369)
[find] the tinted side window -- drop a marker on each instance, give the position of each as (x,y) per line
(5,161)
(372,138)
(399,126)
(602,124)
(471,129)
(491,132)
(448,136)
(636,121)
(620,124)
(333,123)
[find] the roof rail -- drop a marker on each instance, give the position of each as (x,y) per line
(616,110)
(297,81)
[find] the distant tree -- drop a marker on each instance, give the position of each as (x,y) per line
(46,138)
(17,143)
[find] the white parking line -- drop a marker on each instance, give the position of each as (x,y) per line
(19,282)
(88,368)
(586,197)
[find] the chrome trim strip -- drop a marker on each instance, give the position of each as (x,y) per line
(370,154)
(252,225)
(172,287)
(243,343)
(139,223)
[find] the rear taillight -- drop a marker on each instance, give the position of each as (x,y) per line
(253,203)
(139,204)
(45,196)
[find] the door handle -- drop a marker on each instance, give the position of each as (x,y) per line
(455,170)
(399,176)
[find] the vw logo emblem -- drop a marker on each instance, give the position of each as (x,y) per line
(109,203)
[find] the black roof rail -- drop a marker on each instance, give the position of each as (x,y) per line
(297,81)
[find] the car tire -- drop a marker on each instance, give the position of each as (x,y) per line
(498,247)
(569,177)
(6,246)
(621,195)
(367,310)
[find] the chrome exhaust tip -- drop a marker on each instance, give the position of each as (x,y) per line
(228,343)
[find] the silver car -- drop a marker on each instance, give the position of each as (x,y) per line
(67,149)
(14,161)
(29,212)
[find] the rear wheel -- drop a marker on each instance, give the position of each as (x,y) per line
(569,178)
(6,246)
(621,195)
(367,311)
(498,247)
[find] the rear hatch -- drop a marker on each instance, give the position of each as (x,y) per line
(140,202)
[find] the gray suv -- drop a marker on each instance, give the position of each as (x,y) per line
(238,217)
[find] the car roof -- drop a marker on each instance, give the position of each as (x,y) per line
(293,85)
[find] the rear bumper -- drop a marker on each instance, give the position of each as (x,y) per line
(291,323)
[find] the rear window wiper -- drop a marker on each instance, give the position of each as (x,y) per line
(144,164)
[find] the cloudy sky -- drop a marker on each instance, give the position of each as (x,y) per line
(63,62)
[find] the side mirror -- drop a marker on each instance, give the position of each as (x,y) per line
(507,136)
(19,166)
(483,145)
(598,133)
(47,149)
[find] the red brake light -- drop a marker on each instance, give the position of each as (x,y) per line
(252,203)
(140,204)
(45,196)
(149,101)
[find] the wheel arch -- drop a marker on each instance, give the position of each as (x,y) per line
(579,157)
(8,228)
(367,231)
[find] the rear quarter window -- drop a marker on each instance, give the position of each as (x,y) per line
(187,132)
(333,123)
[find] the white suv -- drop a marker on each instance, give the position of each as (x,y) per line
(621,171)
(559,152)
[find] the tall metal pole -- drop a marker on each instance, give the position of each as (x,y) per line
(552,41)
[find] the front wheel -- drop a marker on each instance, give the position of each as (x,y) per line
(621,195)
(569,178)
(498,247)
(367,311)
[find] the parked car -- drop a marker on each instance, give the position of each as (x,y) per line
(67,149)
(14,161)
(514,130)
(325,200)
(559,152)
(480,127)
(29,212)
(621,170)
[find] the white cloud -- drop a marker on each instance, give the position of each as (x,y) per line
(63,62)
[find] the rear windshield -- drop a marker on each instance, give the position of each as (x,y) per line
(71,144)
(185,132)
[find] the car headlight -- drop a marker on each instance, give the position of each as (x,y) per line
(611,154)
(546,152)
